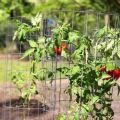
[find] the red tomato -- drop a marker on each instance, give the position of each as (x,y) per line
(110,72)
(58,50)
(102,69)
(64,45)
(116,74)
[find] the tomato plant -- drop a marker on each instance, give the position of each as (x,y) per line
(94,71)
(36,52)
(92,79)
(108,48)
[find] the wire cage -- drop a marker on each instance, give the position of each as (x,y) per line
(51,99)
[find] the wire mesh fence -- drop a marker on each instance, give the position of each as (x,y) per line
(51,98)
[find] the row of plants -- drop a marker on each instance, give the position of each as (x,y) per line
(95,70)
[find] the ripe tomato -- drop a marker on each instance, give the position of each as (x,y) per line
(58,50)
(110,72)
(64,45)
(102,69)
(116,74)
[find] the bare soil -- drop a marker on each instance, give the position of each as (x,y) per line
(10,56)
(45,106)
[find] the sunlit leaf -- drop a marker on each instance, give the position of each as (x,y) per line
(32,44)
(28,52)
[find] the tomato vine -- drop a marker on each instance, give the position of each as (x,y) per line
(94,72)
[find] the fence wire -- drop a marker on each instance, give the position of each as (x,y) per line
(52,98)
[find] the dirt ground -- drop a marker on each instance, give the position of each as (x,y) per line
(44,106)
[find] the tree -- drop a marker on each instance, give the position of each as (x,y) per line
(10,9)
(15,8)
(107,6)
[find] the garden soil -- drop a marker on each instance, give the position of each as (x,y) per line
(45,106)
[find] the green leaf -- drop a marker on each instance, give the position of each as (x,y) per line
(114,51)
(42,39)
(110,66)
(109,45)
(15,35)
(64,54)
(42,74)
(75,69)
(104,75)
(118,53)
(117,61)
(94,99)
(101,46)
(85,109)
(32,44)
(21,35)
(50,74)
(100,33)
(28,52)
(36,21)
(64,70)
(73,36)
(61,117)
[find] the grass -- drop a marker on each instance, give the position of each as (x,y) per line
(8,67)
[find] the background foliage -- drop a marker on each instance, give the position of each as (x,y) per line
(28,8)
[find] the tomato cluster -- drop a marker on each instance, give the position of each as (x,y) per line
(58,49)
(115,74)
(64,45)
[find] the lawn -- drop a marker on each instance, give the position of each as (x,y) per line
(8,67)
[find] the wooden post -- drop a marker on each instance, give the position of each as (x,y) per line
(107,20)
